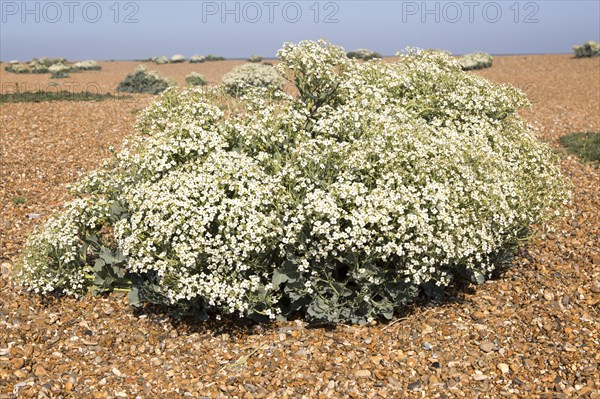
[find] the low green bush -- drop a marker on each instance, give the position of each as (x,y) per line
(374,182)
(585,145)
(144,81)
(88,65)
(196,59)
(195,79)
(241,78)
(59,71)
(363,54)
(177,59)
(160,60)
(211,57)
(63,95)
(255,58)
(587,49)
(16,68)
(476,61)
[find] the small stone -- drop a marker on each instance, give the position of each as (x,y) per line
(5,268)
(596,259)
(477,315)
(427,346)
(39,371)
(18,363)
(362,374)
(117,372)
(479,377)
(34,215)
(548,296)
(487,346)
(413,386)
(503,367)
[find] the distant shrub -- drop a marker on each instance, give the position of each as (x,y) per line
(196,59)
(16,68)
(244,76)
(144,81)
(477,60)
(38,67)
(363,54)
(59,71)
(195,79)
(587,49)
(177,59)
(160,60)
(211,57)
(255,58)
(88,65)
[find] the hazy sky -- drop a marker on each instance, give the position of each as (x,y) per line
(112,29)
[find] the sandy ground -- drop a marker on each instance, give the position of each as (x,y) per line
(533,332)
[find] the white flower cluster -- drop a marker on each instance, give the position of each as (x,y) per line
(372,176)
(88,65)
(55,258)
(243,77)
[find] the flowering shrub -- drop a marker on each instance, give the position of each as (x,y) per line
(88,65)
(59,71)
(13,67)
(476,61)
(243,77)
(196,59)
(587,49)
(144,81)
(255,58)
(363,54)
(372,182)
(160,60)
(177,58)
(195,79)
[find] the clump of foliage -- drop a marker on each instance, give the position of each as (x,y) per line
(363,54)
(177,59)
(373,182)
(195,79)
(477,60)
(243,77)
(160,60)
(587,49)
(59,71)
(35,65)
(586,145)
(144,81)
(63,95)
(16,68)
(87,65)
(197,59)
(212,57)
(255,58)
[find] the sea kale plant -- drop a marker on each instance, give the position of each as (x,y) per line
(244,77)
(477,60)
(363,54)
(195,79)
(144,81)
(341,198)
(587,49)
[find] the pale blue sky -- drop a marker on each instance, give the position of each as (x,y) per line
(113,29)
